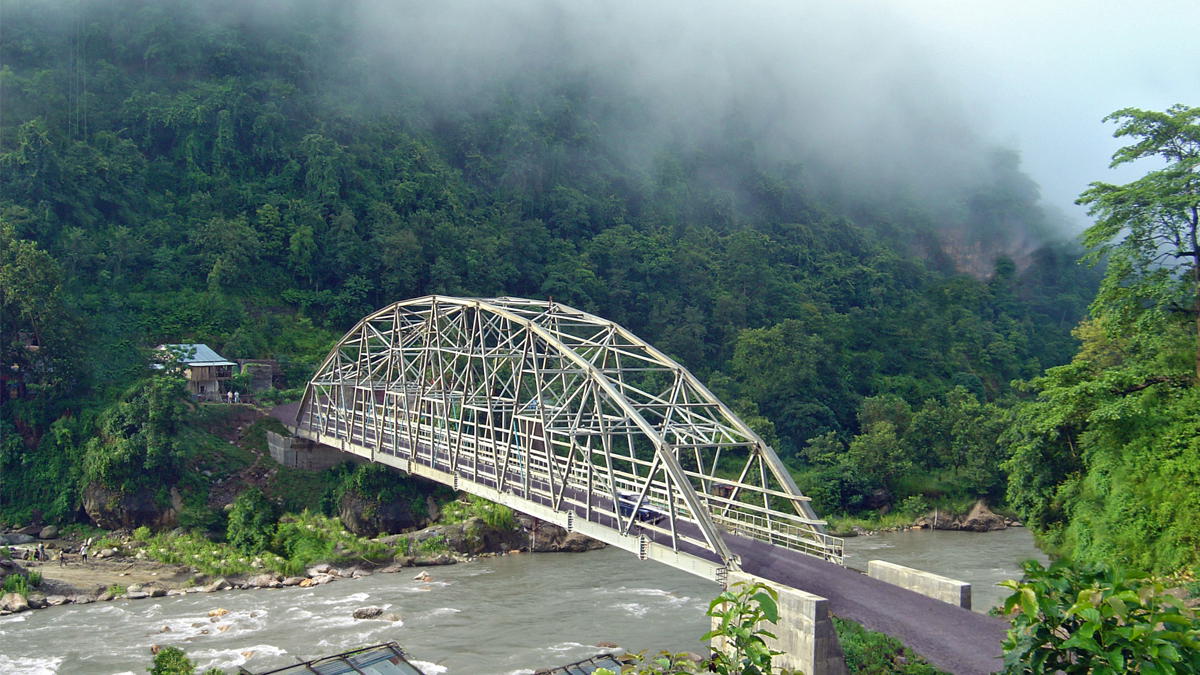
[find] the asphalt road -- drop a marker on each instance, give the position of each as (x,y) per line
(953,639)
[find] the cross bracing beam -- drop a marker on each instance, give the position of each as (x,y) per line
(563,415)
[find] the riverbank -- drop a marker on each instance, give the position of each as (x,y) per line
(140,565)
(977,517)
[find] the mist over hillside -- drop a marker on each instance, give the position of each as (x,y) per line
(846,91)
(844,97)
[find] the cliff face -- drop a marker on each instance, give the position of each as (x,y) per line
(113,510)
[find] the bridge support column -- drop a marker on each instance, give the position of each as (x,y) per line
(804,634)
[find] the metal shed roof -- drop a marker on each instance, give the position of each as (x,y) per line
(197,355)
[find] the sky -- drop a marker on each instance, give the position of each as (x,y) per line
(914,89)
(1041,75)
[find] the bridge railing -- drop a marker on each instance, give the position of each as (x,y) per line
(779,532)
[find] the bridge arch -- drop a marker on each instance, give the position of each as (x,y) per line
(562,415)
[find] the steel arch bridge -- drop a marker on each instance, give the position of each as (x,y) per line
(564,416)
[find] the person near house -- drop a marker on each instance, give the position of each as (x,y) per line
(237,397)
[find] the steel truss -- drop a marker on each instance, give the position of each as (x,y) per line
(562,415)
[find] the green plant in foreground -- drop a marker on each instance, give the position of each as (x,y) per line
(742,609)
(1096,619)
(16,583)
(173,661)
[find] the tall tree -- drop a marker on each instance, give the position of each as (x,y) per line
(1148,229)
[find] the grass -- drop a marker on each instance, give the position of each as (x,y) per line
(303,540)
(870,653)
(497,516)
(843,525)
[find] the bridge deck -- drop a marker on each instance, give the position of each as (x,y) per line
(953,639)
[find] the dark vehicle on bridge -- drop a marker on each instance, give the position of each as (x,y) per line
(645,513)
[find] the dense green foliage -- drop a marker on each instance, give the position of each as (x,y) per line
(1095,619)
(252,522)
(1106,457)
(296,542)
(174,661)
(253,179)
(138,444)
(376,483)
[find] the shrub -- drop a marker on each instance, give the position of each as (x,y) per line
(742,609)
(1097,619)
(172,661)
(251,522)
(16,583)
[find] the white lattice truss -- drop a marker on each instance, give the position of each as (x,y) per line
(562,415)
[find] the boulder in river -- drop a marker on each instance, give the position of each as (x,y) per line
(981,519)
(14,602)
(550,538)
(390,616)
(368,612)
(48,532)
(15,539)
(263,581)
(218,585)
(56,600)
(294,581)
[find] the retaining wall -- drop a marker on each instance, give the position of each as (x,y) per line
(930,585)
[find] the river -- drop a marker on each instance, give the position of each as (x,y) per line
(497,616)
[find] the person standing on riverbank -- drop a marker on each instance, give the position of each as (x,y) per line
(83,554)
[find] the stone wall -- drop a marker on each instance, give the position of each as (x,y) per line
(930,585)
(301,453)
(805,632)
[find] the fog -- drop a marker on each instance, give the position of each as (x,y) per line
(906,95)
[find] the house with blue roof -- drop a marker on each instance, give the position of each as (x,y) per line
(207,373)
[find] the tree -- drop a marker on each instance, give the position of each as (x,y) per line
(1148,229)
(251,522)
(138,443)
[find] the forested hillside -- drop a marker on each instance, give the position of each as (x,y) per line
(197,172)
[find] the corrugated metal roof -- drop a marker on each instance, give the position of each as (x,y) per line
(197,355)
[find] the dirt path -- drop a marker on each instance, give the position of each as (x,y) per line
(98,575)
